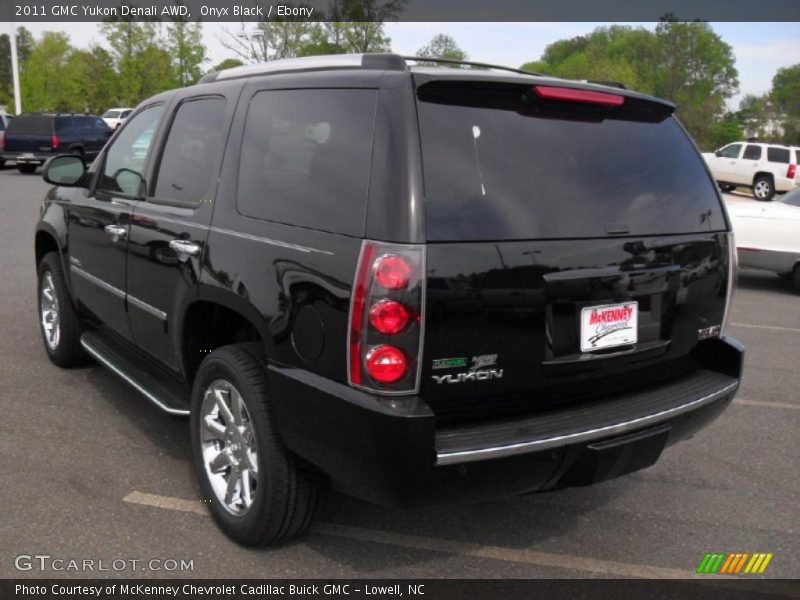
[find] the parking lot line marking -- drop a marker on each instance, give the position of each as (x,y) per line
(520,555)
(166,502)
(771,327)
(766,404)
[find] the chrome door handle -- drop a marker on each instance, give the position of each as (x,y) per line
(185,248)
(116,231)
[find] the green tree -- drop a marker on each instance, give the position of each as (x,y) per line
(42,83)
(6,82)
(92,84)
(228,63)
(785,97)
(726,130)
(442,46)
(185,44)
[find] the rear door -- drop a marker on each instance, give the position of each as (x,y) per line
(169,229)
(99,224)
(574,249)
(748,165)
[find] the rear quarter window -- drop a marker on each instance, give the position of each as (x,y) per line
(778,155)
(31,125)
(501,165)
(306,156)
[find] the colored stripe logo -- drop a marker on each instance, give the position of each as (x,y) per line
(723,563)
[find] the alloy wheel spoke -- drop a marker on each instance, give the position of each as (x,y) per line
(224,409)
(214,427)
(245,488)
(233,479)
(237,407)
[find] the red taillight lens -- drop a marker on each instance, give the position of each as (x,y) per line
(389,317)
(388,299)
(572,95)
(392,272)
(54,142)
(791,172)
(386,364)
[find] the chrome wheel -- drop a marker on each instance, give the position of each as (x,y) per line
(49,312)
(229,447)
(762,189)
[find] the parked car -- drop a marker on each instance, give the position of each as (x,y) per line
(32,138)
(768,235)
(4,120)
(764,168)
(266,264)
(114,117)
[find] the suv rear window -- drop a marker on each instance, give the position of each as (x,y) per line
(31,125)
(306,157)
(778,155)
(501,165)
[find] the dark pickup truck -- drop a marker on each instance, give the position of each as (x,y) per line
(411,284)
(31,138)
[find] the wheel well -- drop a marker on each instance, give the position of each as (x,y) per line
(763,174)
(44,243)
(208,326)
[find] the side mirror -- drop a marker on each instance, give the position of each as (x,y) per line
(717,153)
(66,170)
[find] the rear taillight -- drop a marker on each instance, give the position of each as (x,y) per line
(574,95)
(733,266)
(54,142)
(386,318)
(791,171)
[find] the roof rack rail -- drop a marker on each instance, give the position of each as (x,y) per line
(384,61)
(468,63)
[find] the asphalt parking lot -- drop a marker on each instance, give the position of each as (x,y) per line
(90,470)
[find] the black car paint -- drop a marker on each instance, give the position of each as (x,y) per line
(293,285)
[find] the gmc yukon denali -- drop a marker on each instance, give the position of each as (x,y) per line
(409,283)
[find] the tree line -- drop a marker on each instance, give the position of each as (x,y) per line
(687,63)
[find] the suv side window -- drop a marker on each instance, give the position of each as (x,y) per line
(752,152)
(306,157)
(123,168)
(778,155)
(191,154)
(731,151)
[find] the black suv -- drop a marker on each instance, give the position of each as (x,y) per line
(411,284)
(31,138)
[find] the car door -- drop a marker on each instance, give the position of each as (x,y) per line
(99,222)
(725,162)
(748,165)
(169,229)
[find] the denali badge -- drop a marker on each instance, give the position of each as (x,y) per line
(476,371)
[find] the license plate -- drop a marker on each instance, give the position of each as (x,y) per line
(609,325)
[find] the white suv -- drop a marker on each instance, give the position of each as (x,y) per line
(764,168)
(114,117)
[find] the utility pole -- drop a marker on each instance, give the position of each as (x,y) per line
(15,70)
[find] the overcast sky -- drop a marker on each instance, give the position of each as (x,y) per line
(760,48)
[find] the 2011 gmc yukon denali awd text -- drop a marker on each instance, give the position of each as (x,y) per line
(408,283)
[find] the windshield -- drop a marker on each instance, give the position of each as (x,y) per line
(499,164)
(111,114)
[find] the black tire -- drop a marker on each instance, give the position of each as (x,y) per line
(26,169)
(796,276)
(763,188)
(285,499)
(67,352)
(725,187)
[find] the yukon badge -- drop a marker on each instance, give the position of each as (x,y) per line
(477,372)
